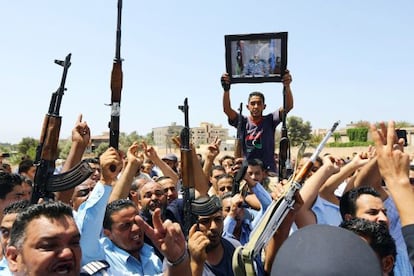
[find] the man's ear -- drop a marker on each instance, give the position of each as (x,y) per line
(387,263)
(347,217)
(12,258)
(264,106)
(107,233)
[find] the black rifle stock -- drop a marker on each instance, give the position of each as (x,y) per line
(116,85)
(186,169)
(285,167)
(238,148)
(45,182)
(235,189)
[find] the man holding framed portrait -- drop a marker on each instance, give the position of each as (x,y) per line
(267,63)
(258,133)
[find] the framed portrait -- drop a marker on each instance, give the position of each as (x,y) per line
(255,58)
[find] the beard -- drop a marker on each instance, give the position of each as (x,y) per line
(215,241)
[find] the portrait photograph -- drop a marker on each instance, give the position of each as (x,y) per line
(255,58)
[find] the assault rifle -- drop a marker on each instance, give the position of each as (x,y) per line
(238,148)
(45,182)
(116,86)
(243,257)
(187,170)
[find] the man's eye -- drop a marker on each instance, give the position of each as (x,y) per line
(125,226)
(83,193)
(47,246)
(204,221)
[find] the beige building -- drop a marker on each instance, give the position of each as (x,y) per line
(203,134)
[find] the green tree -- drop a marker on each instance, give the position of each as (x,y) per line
(298,130)
(359,134)
(64,148)
(27,146)
(101,149)
(402,124)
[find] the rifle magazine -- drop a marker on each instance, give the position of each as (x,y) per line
(69,179)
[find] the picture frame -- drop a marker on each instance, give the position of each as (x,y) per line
(256,58)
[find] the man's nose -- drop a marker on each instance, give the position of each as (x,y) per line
(66,252)
(382,217)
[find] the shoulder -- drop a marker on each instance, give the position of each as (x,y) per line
(229,242)
(93,268)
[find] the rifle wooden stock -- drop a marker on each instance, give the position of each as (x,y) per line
(49,137)
(187,168)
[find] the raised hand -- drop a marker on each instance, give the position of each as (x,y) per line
(81,133)
(393,163)
(110,158)
(166,236)
(225,82)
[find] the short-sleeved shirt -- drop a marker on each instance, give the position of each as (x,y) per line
(259,139)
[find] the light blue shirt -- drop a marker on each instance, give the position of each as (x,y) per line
(251,218)
(402,266)
(96,246)
(4,268)
(326,212)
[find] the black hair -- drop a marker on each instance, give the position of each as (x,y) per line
(16,207)
(114,207)
(217,167)
(25,165)
(49,209)
(347,202)
(7,183)
(256,93)
(256,162)
(94,160)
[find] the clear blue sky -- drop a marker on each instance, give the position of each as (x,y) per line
(350,60)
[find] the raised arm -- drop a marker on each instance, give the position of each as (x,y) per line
(310,191)
(393,165)
(212,151)
(287,80)
(123,185)
(170,241)
(225,83)
(81,136)
(166,170)
(328,188)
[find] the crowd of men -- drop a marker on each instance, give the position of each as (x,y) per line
(129,217)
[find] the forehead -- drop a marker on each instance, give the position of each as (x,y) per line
(150,186)
(16,189)
(216,214)
(254,168)
(367,201)
(226,202)
(43,227)
(125,213)
(255,99)
(166,182)
(218,172)
(228,160)
(8,219)
(225,180)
